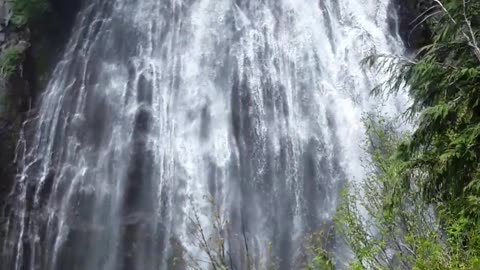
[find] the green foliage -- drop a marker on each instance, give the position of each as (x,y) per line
(389,225)
(28,11)
(10,59)
(419,208)
(444,86)
(321,259)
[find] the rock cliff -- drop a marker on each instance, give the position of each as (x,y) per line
(27,55)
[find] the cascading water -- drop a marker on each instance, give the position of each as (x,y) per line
(160,104)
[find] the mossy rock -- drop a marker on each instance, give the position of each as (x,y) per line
(12,58)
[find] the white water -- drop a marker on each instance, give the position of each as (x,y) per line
(158,104)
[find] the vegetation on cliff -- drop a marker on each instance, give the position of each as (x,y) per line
(419,208)
(40,27)
(25,15)
(28,11)
(10,59)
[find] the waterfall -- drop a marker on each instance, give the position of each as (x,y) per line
(166,117)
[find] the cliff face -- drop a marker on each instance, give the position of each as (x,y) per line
(37,47)
(413,33)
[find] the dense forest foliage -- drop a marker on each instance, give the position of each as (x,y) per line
(419,207)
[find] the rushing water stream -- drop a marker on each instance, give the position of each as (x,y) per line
(164,110)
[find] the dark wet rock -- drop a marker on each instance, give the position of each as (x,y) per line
(40,45)
(414,33)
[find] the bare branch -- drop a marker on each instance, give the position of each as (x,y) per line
(471,38)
